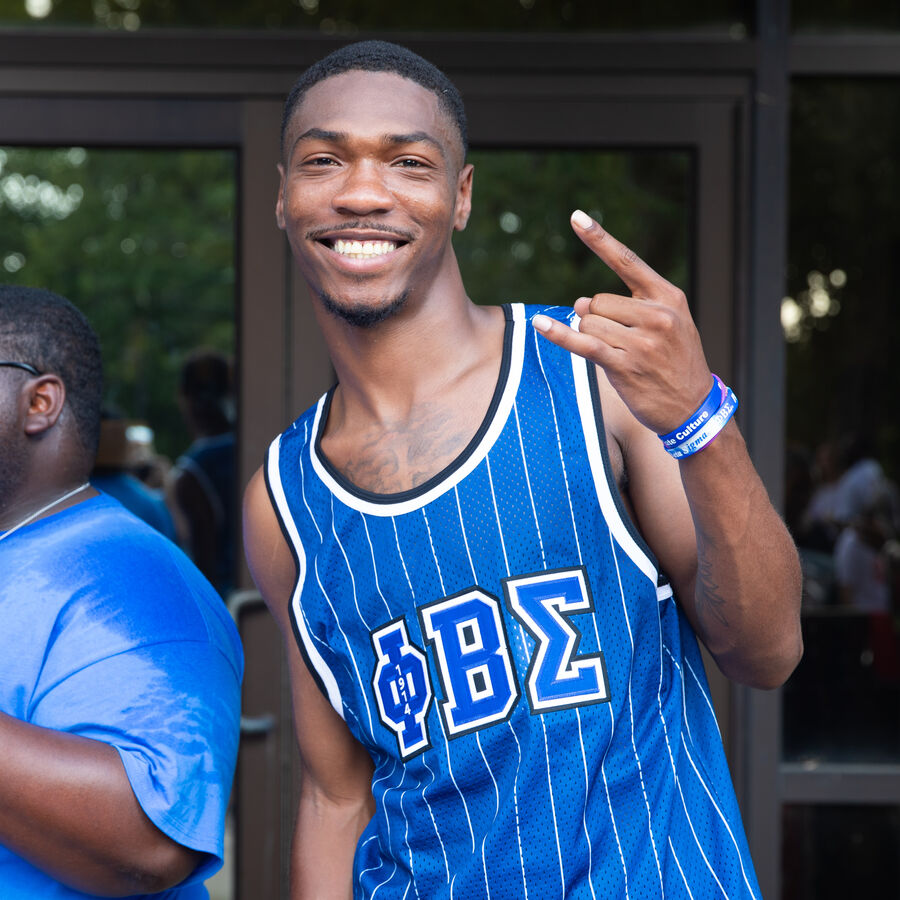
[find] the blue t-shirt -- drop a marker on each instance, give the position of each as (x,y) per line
(108,631)
(134,495)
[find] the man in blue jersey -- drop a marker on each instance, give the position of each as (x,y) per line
(491,545)
(120,669)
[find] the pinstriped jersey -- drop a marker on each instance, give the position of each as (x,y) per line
(502,642)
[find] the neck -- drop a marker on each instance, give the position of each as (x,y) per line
(392,366)
(49,499)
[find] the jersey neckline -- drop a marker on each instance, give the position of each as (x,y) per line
(495,418)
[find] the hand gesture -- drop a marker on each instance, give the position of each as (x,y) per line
(647,343)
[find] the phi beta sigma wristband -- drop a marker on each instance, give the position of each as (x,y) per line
(705,424)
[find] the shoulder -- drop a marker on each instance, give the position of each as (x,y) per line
(269,556)
(116,569)
(559,313)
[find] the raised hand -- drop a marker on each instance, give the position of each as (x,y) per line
(647,343)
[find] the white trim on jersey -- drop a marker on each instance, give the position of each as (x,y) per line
(608,506)
(495,427)
(287,521)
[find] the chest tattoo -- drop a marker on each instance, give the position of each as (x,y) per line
(403,455)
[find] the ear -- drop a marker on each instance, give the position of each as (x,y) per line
(279,203)
(46,398)
(463,197)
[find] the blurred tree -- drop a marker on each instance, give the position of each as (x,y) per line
(143,242)
(519,246)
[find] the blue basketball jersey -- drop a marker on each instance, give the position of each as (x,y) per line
(501,641)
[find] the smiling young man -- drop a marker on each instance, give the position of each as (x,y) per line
(487,568)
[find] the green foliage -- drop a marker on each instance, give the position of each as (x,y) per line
(519,246)
(143,243)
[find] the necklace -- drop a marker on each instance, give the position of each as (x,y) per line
(32,516)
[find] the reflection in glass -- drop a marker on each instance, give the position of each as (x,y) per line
(836,852)
(142,241)
(840,16)
(842,501)
(347,17)
(519,246)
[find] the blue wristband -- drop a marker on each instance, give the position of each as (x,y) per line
(684,431)
(710,431)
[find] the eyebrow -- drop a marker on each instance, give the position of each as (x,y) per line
(340,137)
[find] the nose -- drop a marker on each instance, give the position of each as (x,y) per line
(362,191)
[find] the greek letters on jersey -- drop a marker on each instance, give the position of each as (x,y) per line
(502,643)
(473,659)
(545,604)
(474,663)
(401,686)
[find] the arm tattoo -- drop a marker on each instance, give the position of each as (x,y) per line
(710,603)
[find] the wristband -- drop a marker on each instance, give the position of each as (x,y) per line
(684,431)
(710,431)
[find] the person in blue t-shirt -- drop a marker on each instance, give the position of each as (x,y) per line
(120,669)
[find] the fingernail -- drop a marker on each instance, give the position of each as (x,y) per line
(541,323)
(582,219)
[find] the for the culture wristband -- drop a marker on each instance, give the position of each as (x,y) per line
(699,419)
(705,435)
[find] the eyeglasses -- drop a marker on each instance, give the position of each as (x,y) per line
(17,365)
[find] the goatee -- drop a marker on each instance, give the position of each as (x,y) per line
(363,315)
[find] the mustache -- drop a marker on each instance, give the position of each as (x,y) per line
(318,233)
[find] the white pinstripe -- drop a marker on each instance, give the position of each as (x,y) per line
(374,564)
(388,831)
(433,822)
(720,814)
(537,528)
(609,806)
(637,757)
(340,544)
(677,863)
(303,486)
(346,640)
(412,592)
(528,483)
(509,722)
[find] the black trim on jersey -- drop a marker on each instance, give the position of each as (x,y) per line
(298,639)
(435,480)
(608,472)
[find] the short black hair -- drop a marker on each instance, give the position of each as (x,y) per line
(46,331)
(381,56)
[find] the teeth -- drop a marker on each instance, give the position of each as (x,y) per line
(363,249)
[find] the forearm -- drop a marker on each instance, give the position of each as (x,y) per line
(325,841)
(67,807)
(746,592)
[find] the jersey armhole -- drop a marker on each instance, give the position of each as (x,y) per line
(321,673)
(624,530)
